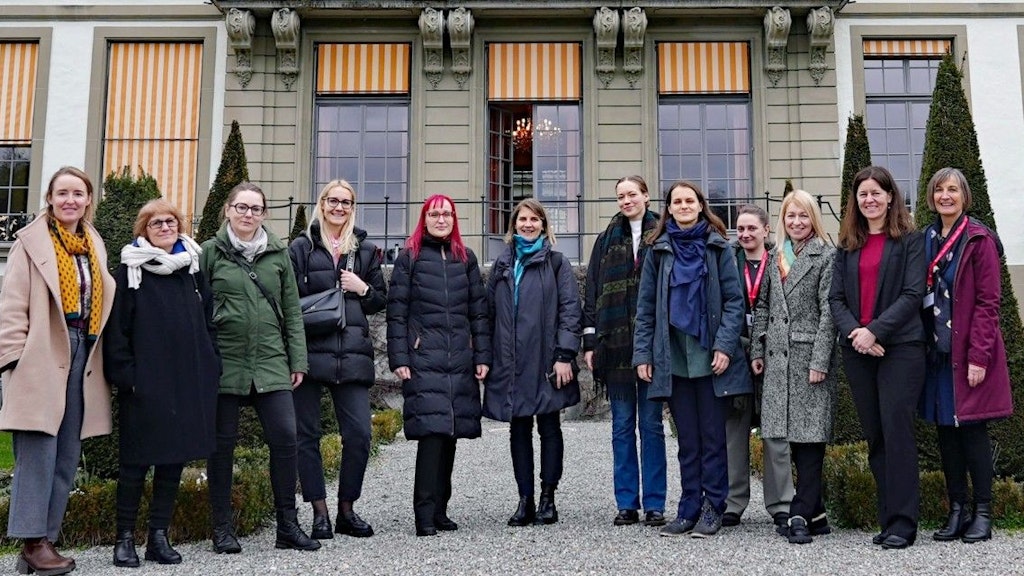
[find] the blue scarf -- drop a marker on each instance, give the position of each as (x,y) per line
(687,299)
(524,249)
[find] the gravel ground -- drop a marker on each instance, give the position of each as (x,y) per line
(583,542)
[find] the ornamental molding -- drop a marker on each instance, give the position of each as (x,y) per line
(606,29)
(777,23)
(633,29)
(285,25)
(240,26)
(821,23)
(432,32)
(460,35)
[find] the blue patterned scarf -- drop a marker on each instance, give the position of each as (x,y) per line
(687,300)
(524,249)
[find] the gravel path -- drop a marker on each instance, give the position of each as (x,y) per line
(584,542)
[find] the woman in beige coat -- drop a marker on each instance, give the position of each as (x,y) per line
(56,298)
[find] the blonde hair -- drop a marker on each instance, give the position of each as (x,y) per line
(152,208)
(90,210)
(800,199)
(348,241)
(533,205)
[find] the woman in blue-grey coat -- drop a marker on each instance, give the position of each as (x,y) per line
(687,345)
(535,308)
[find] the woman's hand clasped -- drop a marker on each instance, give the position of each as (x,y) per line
(863,341)
(351,282)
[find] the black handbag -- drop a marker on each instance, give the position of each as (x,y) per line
(324,312)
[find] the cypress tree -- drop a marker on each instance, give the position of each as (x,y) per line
(123,196)
(299,227)
(787,188)
(856,155)
(232,171)
(951,140)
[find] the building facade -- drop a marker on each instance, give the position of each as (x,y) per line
(493,101)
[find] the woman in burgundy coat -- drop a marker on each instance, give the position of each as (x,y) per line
(968,382)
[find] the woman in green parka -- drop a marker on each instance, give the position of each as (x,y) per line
(263,350)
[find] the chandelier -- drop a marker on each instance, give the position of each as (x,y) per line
(523,133)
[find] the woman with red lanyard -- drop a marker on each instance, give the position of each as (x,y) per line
(753,258)
(877,290)
(968,382)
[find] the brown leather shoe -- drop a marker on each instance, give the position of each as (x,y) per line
(38,555)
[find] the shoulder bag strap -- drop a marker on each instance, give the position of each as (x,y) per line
(263,289)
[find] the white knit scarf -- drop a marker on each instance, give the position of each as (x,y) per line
(250,249)
(143,255)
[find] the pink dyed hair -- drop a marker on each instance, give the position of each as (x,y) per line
(415,241)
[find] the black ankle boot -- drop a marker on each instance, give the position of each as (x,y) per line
(959,517)
(224,541)
(125,555)
(322,529)
(159,549)
(525,513)
(546,511)
(980,527)
(290,534)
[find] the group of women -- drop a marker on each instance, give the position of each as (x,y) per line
(188,334)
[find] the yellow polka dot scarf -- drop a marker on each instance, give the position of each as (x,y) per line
(67,246)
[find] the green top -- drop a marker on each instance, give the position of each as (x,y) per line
(253,350)
(689,358)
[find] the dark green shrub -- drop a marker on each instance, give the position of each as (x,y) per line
(232,171)
(299,227)
(856,155)
(123,196)
(951,140)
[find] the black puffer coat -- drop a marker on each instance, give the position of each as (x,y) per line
(526,337)
(160,351)
(345,356)
(438,327)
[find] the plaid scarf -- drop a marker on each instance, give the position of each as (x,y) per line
(618,280)
(68,246)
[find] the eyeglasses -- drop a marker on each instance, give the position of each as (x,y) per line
(333,203)
(438,215)
(243,208)
(158,224)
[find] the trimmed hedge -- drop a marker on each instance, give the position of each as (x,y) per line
(91,508)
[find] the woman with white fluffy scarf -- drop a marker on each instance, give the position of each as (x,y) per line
(160,354)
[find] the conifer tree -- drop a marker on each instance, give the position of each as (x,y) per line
(299,227)
(951,140)
(856,155)
(123,196)
(232,171)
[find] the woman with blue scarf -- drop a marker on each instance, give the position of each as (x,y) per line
(687,345)
(535,308)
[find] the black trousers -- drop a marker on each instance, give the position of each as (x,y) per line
(551,450)
(885,393)
(277,416)
(435,459)
(809,459)
(130,483)
(964,449)
(352,409)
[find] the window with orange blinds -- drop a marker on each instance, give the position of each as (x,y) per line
(18,69)
(152,115)
(703,68)
(362,69)
(533,71)
(907,47)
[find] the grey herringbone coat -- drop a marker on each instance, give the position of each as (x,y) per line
(794,333)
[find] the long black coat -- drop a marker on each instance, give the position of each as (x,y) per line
(438,327)
(526,337)
(346,355)
(160,351)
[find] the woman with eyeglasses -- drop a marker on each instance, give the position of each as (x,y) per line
(55,302)
(160,353)
(263,350)
(534,305)
(439,347)
(334,252)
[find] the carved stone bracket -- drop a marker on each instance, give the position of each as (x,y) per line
(633,29)
(460,34)
(777,22)
(606,29)
(240,26)
(820,25)
(432,32)
(285,24)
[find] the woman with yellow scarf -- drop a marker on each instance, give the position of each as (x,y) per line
(56,298)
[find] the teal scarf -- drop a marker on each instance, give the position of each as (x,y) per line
(523,249)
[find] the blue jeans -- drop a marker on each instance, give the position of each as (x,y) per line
(649,465)
(700,420)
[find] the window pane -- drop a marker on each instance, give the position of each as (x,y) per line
(689,117)
(716,116)
(893,81)
(872,79)
(668,115)
(398,119)
(376,118)
(375,144)
(350,119)
(739,117)
(896,115)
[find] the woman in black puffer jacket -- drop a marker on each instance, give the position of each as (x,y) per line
(439,346)
(333,251)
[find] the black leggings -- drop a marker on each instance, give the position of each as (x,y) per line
(964,449)
(130,483)
(551,449)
